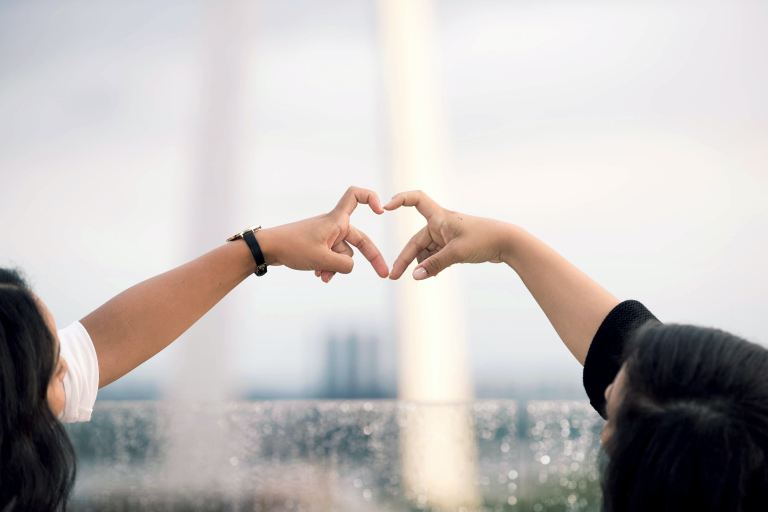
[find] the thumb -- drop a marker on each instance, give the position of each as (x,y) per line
(335,262)
(436,263)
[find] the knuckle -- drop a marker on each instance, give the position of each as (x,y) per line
(438,222)
(461,253)
(433,266)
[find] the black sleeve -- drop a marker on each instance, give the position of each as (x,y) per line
(604,357)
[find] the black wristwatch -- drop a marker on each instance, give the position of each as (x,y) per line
(250,238)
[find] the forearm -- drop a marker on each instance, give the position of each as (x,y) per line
(574,303)
(141,321)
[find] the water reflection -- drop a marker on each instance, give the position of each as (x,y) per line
(340,456)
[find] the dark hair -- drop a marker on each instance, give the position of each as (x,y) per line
(691,431)
(37,461)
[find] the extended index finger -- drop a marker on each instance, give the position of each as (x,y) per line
(368,249)
(423,203)
(356,195)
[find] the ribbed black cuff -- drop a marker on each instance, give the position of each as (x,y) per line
(605,354)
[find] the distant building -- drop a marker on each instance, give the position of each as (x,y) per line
(352,369)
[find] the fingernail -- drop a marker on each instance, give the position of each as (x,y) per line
(420,273)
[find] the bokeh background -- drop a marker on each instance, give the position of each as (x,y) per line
(631,136)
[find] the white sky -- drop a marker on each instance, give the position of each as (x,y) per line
(631,136)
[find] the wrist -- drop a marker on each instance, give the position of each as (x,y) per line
(269,245)
(510,240)
(242,256)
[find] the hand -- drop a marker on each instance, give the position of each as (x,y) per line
(322,243)
(449,237)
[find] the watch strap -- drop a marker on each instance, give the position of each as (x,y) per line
(258,256)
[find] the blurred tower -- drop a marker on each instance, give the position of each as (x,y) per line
(437,443)
(199,447)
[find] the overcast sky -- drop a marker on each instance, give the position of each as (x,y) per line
(631,136)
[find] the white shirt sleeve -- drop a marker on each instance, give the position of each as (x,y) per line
(81,382)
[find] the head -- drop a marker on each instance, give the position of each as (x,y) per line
(687,423)
(37,461)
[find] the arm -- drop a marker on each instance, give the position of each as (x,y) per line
(574,304)
(141,321)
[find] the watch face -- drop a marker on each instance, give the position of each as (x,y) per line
(238,236)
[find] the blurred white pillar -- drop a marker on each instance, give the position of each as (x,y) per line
(200,449)
(437,443)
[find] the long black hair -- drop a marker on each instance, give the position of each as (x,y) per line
(691,431)
(37,461)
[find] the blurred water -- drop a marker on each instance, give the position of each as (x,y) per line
(323,456)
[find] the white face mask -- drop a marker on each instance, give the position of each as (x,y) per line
(60,417)
(63,416)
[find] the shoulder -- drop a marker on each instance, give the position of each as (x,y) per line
(605,354)
(81,382)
